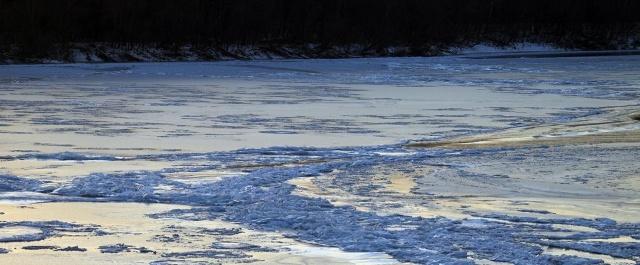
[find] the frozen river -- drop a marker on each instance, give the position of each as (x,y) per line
(443,160)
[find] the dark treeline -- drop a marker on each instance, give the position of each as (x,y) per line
(35,25)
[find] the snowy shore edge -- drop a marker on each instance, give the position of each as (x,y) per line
(106,52)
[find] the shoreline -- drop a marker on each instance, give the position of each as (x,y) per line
(93,53)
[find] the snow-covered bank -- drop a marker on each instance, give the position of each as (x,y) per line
(107,52)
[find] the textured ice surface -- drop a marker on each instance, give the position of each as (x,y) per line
(263,200)
(13,183)
(118,248)
(132,186)
(39,230)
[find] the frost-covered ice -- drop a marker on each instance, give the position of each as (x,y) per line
(447,160)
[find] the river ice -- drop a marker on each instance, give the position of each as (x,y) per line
(310,161)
